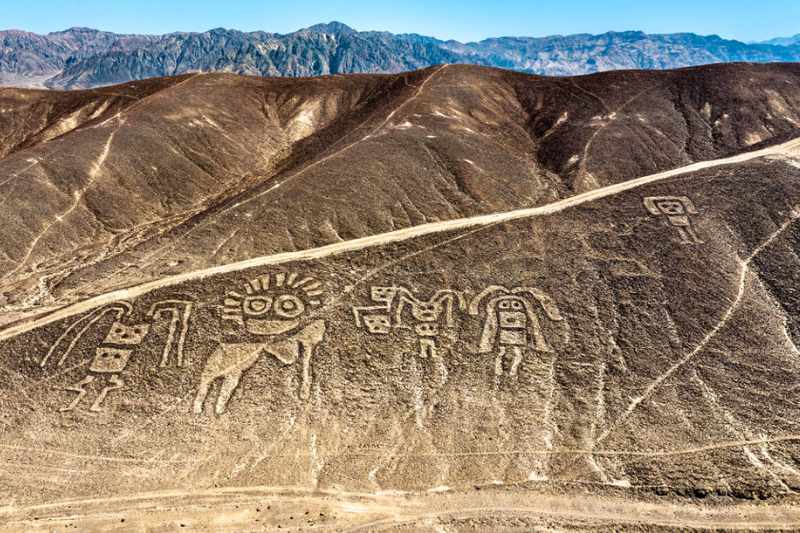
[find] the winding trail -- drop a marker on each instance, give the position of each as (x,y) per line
(332,152)
(344,148)
(94,172)
(393,236)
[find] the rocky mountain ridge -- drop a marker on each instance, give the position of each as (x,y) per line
(784,41)
(83,57)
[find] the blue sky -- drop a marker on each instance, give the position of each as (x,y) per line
(463,20)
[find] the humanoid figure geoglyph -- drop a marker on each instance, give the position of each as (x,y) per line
(511,323)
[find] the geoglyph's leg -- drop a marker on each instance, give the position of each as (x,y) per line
(79,388)
(229,384)
(693,237)
(116,383)
(202,392)
(305,385)
(498,361)
(427,348)
(307,340)
(213,370)
(517,350)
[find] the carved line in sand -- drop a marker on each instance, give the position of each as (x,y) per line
(677,209)
(111,358)
(510,318)
(122,309)
(271,310)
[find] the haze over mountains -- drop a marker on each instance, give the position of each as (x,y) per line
(82,57)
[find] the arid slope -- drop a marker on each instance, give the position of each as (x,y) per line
(649,360)
(156,178)
(373,299)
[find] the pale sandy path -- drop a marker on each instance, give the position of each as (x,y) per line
(233,509)
(786,148)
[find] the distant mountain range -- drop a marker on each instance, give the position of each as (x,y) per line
(83,57)
(784,41)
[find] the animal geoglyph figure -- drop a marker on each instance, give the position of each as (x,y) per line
(271,311)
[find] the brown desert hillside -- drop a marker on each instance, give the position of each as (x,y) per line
(605,351)
(159,179)
(459,299)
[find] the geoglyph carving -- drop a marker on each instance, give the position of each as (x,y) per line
(271,311)
(399,308)
(110,359)
(113,355)
(677,209)
(179,311)
(76,330)
(510,319)
(511,323)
